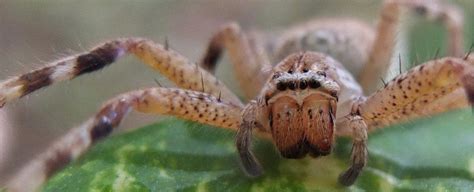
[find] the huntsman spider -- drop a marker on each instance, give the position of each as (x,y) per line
(323,86)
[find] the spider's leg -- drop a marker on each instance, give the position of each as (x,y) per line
(430,88)
(382,49)
(433,87)
(186,104)
(246,54)
(170,63)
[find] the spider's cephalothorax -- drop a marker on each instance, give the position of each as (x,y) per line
(301,106)
(294,103)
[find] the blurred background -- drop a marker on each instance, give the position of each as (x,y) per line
(34,32)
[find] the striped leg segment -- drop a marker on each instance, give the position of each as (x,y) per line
(185,104)
(170,63)
(246,54)
(382,50)
(427,89)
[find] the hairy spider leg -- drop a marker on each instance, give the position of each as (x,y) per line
(379,58)
(186,104)
(168,62)
(251,64)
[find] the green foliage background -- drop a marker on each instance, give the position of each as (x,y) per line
(433,154)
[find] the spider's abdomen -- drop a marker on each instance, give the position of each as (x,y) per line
(301,129)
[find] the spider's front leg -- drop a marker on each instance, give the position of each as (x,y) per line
(214,104)
(425,90)
(185,104)
(433,87)
(161,58)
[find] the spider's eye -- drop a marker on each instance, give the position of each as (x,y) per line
(276,75)
(290,71)
(322,73)
(314,84)
(292,85)
(303,84)
(281,86)
(305,70)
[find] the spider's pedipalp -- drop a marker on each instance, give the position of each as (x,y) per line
(243,141)
(185,104)
(359,153)
(171,64)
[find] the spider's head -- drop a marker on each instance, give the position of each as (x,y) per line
(301,103)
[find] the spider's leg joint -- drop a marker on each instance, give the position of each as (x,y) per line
(108,118)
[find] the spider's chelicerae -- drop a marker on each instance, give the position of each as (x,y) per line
(303,102)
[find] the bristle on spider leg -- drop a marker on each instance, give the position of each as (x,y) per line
(469,52)
(202,83)
(399,64)
(436,54)
(166,44)
(157,82)
(383,82)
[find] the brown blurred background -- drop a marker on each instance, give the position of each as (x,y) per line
(34,32)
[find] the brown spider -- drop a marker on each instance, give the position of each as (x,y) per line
(302,103)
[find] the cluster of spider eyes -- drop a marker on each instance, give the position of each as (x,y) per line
(301,84)
(293,85)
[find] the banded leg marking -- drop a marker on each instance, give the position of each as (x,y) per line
(170,63)
(185,104)
(246,54)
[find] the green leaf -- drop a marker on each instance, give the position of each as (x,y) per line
(434,154)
